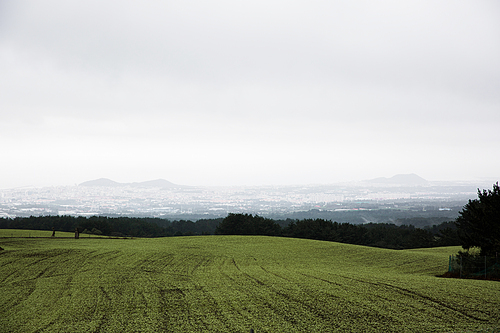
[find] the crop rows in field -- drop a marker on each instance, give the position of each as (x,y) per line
(232,284)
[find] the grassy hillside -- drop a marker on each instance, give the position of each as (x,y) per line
(8,233)
(33,233)
(232,284)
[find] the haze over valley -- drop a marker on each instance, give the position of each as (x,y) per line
(187,110)
(375,200)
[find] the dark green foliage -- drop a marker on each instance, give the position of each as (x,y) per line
(95,231)
(445,234)
(373,234)
(59,223)
(408,236)
(311,229)
(188,228)
(325,230)
(247,224)
(423,222)
(114,226)
(472,265)
(479,222)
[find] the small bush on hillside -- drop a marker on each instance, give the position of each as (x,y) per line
(95,231)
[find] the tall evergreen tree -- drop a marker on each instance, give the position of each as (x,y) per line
(479,222)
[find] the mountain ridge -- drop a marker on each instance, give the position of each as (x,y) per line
(400,179)
(411,179)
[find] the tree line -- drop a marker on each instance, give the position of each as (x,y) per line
(113,226)
(477,226)
(383,235)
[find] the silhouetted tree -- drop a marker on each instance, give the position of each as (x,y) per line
(479,222)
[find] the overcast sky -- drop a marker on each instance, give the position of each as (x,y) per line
(248,92)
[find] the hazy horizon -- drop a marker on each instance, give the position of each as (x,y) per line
(484,183)
(248,93)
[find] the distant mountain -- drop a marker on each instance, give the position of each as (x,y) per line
(101,182)
(161,183)
(406,179)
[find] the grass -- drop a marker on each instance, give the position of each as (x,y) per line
(232,284)
(21,233)
(33,233)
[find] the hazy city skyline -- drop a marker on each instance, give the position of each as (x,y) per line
(248,93)
(376,200)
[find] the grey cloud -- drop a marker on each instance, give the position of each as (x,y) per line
(265,75)
(221,40)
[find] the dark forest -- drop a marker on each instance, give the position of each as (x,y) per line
(384,235)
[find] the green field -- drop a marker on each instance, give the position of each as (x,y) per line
(232,284)
(33,233)
(40,233)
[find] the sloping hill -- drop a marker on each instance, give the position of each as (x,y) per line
(232,284)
